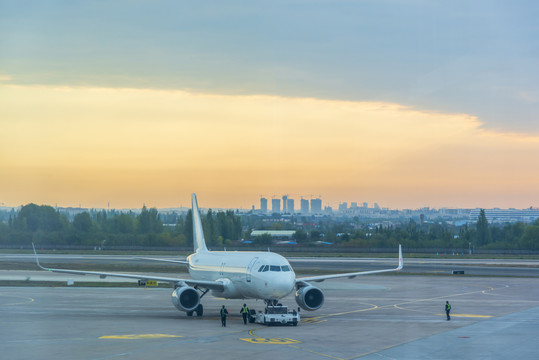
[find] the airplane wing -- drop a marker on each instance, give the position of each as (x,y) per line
(212,285)
(183,262)
(354,274)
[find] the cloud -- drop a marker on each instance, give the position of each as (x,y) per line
(5,78)
(89,145)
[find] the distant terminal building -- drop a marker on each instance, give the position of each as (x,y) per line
(276,206)
(316,206)
(290,206)
(263,205)
(275,234)
(304,203)
(506,215)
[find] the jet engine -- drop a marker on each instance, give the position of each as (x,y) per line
(310,298)
(185,298)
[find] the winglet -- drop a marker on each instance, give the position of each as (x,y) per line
(199,242)
(401,260)
(37,259)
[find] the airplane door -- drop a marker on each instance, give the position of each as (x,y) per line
(249,268)
(222,270)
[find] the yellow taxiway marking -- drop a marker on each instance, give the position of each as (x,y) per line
(27,300)
(276,341)
(452,315)
(317,319)
(140,336)
(490,289)
(468,315)
(316,352)
(313,320)
(282,341)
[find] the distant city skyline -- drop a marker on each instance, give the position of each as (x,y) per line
(304,206)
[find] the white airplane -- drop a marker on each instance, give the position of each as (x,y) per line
(234,275)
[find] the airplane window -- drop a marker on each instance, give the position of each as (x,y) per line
(275,268)
(266,268)
(262,267)
(285,268)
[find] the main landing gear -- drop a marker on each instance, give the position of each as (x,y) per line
(270,302)
(199,309)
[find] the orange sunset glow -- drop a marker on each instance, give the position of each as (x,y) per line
(91,146)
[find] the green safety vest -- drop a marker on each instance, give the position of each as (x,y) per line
(244,310)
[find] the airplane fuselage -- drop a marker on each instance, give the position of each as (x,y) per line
(247,275)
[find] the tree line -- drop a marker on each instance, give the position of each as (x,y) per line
(96,228)
(42,224)
(481,235)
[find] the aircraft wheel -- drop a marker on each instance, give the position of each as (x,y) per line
(189,313)
(200,310)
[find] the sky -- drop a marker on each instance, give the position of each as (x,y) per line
(407,103)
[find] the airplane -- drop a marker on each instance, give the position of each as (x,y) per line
(234,275)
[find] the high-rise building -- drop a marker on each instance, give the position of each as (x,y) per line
(285,198)
(304,204)
(290,206)
(316,206)
(263,205)
(276,206)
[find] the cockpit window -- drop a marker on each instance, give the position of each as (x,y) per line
(285,268)
(261,268)
(266,268)
(275,268)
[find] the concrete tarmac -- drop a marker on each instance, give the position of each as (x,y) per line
(321,265)
(378,316)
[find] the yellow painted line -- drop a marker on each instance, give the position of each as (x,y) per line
(275,341)
(318,319)
(467,315)
(282,341)
(140,336)
(316,352)
(314,320)
(27,300)
(446,296)
(419,311)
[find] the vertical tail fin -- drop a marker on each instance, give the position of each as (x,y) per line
(199,242)
(401,260)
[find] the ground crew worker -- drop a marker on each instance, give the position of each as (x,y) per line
(224,313)
(244,313)
(447,310)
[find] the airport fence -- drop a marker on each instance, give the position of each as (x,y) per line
(279,249)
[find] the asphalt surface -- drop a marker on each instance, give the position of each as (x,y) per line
(495,316)
(372,317)
(435,265)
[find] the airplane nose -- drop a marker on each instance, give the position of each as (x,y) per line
(286,285)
